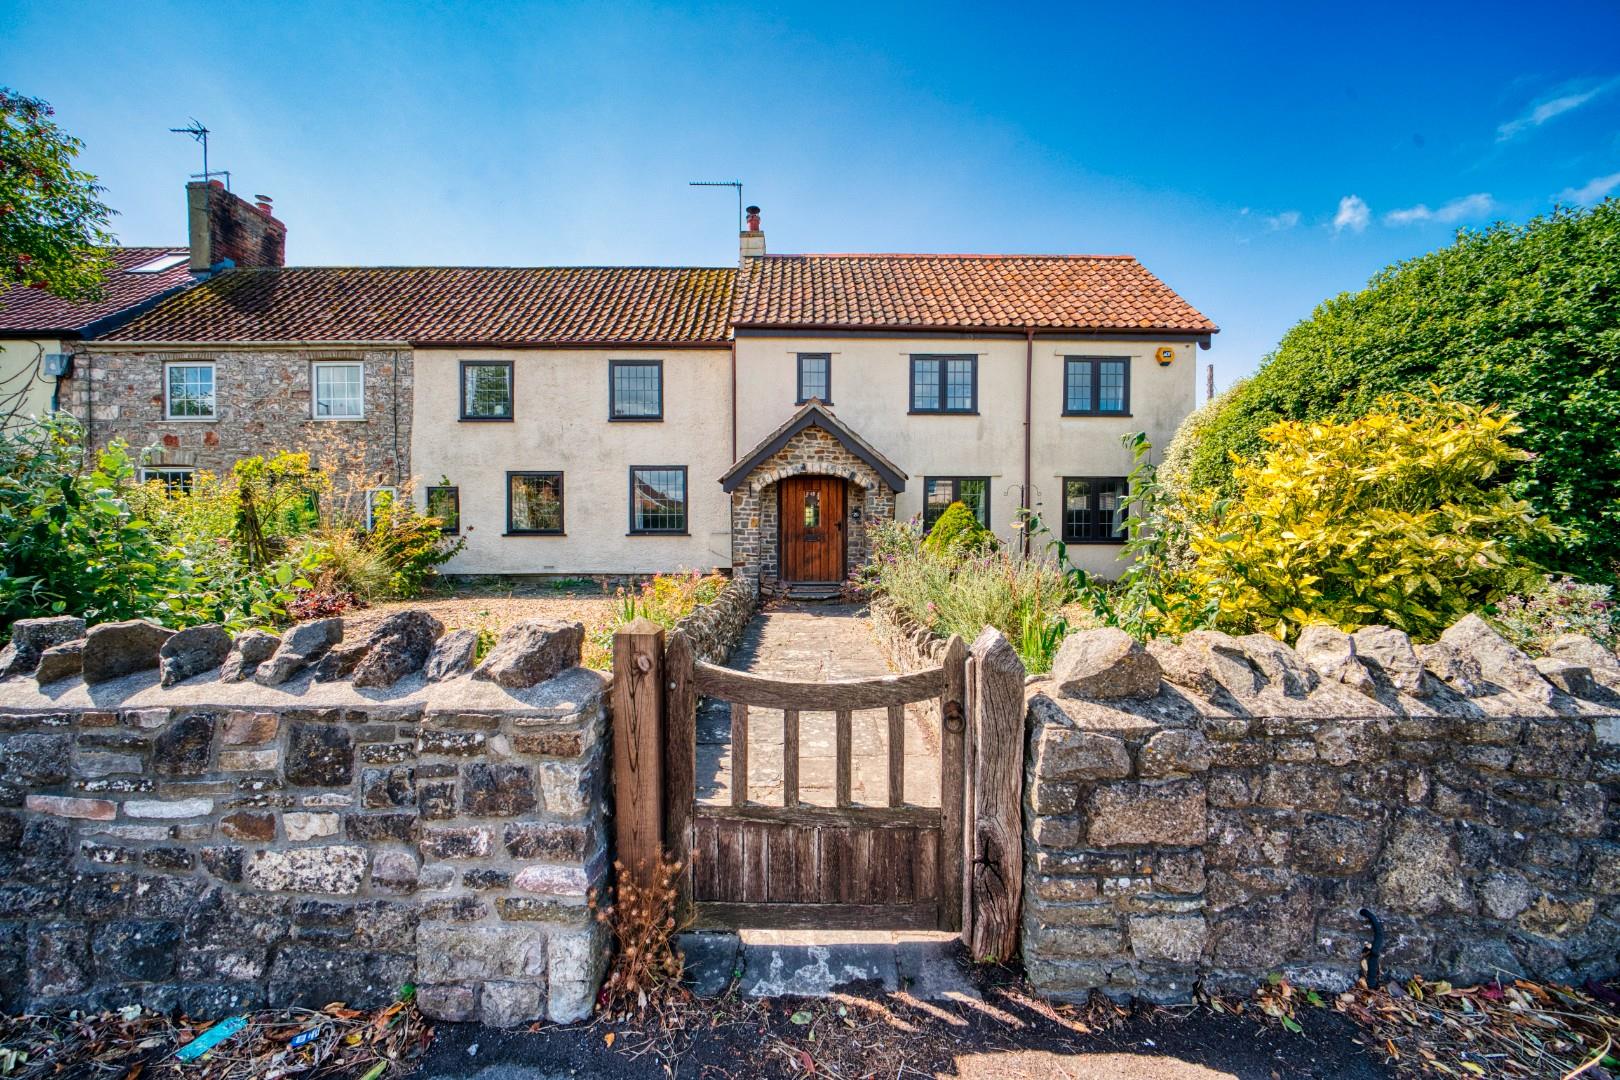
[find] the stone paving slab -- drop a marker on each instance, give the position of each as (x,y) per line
(816,963)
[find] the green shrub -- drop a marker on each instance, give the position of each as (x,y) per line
(349,565)
(412,545)
(1399,517)
(957,531)
(1524,317)
(1533,620)
(97,544)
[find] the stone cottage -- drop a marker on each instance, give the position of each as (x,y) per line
(618,420)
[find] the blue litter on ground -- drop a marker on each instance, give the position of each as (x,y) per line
(211,1038)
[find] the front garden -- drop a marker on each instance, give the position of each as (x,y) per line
(1408,516)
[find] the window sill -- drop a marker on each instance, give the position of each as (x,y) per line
(1099,415)
(485,419)
(338,419)
(635,419)
(532,532)
(942,412)
(1094,543)
(190,420)
(655,532)
(806,401)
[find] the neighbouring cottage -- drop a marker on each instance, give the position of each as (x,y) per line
(615,420)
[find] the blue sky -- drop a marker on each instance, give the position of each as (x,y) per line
(1258,158)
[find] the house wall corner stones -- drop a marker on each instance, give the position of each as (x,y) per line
(1235,822)
(813,451)
(263,402)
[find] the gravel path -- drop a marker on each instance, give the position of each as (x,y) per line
(493,610)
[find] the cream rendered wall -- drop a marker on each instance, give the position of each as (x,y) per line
(560,409)
(20,374)
(870,388)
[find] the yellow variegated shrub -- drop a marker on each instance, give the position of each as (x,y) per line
(1402,517)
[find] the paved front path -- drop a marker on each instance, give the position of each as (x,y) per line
(815,643)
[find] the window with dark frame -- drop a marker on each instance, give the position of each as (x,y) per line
(815,377)
(1096,386)
(486,390)
(534,503)
(1094,509)
(945,384)
(444,503)
(636,389)
(174,478)
(940,491)
(657,500)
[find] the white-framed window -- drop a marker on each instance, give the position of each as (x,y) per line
(172,477)
(376,499)
(338,389)
(188,390)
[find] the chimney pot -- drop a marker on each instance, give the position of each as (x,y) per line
(753,219)
(265,203)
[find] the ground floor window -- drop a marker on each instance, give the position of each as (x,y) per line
(1094,509)
(534,503)
(444,503)
(658,499)
(173,478)
(377,499)
(940,491)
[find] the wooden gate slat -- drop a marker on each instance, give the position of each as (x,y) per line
(897,755)
(790,757)
(925,870)
(705,881)
(680,765)
(844,752)
(806,863)
(952,724)
(739,754)
(766,693)
(781,862)
(756,885)
(728,860)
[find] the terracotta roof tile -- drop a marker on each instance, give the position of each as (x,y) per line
(961,292)
(24,310)
(548,305)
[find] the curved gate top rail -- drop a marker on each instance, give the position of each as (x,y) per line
(957,866)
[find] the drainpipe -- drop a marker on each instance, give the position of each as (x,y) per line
(1029,386)
(733,398)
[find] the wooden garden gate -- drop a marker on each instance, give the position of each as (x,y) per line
(956,866)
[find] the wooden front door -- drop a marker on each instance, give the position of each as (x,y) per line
(811,517)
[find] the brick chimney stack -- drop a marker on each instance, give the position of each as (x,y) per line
(225,228)
(752,239)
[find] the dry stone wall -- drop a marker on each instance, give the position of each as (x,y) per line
(284,828)
(1225,808)
(715,628)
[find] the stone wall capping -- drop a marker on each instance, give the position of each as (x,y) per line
(1232,824)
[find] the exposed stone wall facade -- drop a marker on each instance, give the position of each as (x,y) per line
(1233,819)
(215,845)
(263,401)
(754,509)
(716,627)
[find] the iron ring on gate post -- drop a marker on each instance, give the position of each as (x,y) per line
(954,721)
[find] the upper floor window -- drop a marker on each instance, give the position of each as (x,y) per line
(945,384)
(1094,509)
(636,389)
(188,390)
(658,499)
(815,377)
(1096,386)
(486,390)
(940,491)
(534,503)
(339,390)
(444,503)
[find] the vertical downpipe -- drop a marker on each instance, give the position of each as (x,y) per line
(734,396)
(397,474)
(1029,388)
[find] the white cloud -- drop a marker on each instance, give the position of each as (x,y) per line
(1469,206)
(1544,111)
(1353,214)
(1593,191)
(1283,221)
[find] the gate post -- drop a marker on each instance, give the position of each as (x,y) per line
(680,764)
(995,843)
(638,748)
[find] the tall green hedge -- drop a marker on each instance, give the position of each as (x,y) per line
(1523,316)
